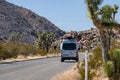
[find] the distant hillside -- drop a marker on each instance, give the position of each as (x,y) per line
(27,23)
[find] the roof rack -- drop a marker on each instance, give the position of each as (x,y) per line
(68,37)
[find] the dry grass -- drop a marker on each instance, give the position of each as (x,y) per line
(68,75)
(72,74)
(100,74)
(22,58)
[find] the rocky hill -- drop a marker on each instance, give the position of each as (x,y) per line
(23,21)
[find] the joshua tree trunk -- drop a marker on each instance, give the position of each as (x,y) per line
(109,38)
(104,45)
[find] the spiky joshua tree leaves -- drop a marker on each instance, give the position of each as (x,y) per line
(104,19)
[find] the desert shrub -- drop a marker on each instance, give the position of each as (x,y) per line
(81,71)
(95,59)
(41,52)
(112,68)
(116,60)
(108,68)
(1,50)
(12,49)
(53,50)
(116,64)
(3,53)
(94,63)
(27,49)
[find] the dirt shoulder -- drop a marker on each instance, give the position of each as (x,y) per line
(22,58)
(71,74)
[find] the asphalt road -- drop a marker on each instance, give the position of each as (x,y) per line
(38,69)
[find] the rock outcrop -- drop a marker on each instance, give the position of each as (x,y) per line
(91,38)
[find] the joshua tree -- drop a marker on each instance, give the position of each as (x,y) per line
(104,19)
(45,40)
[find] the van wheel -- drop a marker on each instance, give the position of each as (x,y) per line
(62,60)
(77,59)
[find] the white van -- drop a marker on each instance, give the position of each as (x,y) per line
(69,50)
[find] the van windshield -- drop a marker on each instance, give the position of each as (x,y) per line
(69,46)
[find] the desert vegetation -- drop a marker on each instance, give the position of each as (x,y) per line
(98,69)
(107,55)
(13,47)
(12,50)
(45,41)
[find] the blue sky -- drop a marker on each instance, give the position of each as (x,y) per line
(68,15)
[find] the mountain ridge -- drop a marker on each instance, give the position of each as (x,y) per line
(27,23)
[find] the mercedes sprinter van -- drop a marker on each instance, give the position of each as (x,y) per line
(69,50)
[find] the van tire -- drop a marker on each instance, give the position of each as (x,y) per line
(77,59)
(62,60)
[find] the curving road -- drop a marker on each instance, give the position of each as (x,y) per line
(37,69)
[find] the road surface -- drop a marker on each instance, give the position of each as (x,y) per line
(38,69)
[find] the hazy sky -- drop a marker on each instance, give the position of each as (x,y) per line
(68,15)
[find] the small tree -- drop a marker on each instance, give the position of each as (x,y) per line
(44,41)
(104,19)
